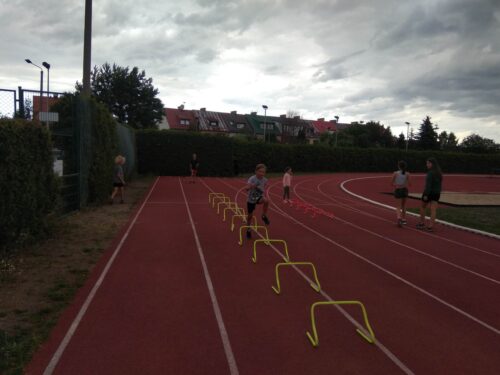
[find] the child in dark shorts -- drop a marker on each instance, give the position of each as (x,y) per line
(256,186)
(401,182)
(194,164)
(118,179)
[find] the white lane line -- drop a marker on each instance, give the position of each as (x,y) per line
(411,248)
(349,317)
(397,277)
(411,229)
(76,322)
(233,368)
(384,207)
(477,231)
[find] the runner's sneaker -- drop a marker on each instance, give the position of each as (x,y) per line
(265,220)
(400,223)
(403,221)
(249,234)
(420,226)
(429,229)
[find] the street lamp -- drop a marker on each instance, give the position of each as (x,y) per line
(336,128)
(265,124)
(407,131)
(41,83)
(47,66)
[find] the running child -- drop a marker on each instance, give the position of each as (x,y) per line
(287,181)
(401,182)
(194,165)
(431,194)
(256,187)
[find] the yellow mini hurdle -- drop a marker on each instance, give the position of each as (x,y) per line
(253,227)
(220,199)
(243,218)
(227,203)
(233,206)
(268,242)
(314,339)
(277,289)
(212,195)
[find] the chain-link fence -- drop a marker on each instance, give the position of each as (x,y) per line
(8,103)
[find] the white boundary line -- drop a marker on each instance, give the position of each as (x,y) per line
(349,317)
(477,231)
(362,212)
(233,368)
(407,246)
(76,322)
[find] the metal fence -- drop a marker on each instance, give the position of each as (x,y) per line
(8,103)
(29,104)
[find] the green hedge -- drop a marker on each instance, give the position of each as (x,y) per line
(168,152)
(28,186)
(104,148)
(96,131)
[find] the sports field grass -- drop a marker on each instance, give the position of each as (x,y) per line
(483,218)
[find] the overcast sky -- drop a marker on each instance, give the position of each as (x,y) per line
(385,60)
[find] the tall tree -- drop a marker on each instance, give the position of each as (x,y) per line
(447,142)
(401,141)
(477,144)
(128,94)
(427,138)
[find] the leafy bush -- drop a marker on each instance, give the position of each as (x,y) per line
(28,186)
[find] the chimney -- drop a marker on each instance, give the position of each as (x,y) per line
(296,117)
(203,109)
(253,113)
(233,112)
(282,116)
(321,119)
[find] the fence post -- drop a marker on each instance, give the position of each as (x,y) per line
(21,101)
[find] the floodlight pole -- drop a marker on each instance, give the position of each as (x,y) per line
(265,124)
(87,47)
(407,132)
(41,85)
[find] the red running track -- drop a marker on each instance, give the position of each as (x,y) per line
(175,294)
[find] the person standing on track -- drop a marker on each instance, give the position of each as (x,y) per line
(194,165)
(287,181)
(256,187)
(118,179)
(401,182)
(431,194)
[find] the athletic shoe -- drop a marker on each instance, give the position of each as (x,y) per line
(249,234)
(420,226)
(429,229)
(403,221)
(400,223)
(265,220)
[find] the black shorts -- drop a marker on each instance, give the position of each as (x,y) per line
(117,184)
(401,193)
(432,197)
(251,206)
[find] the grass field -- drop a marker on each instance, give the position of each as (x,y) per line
(483,218)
